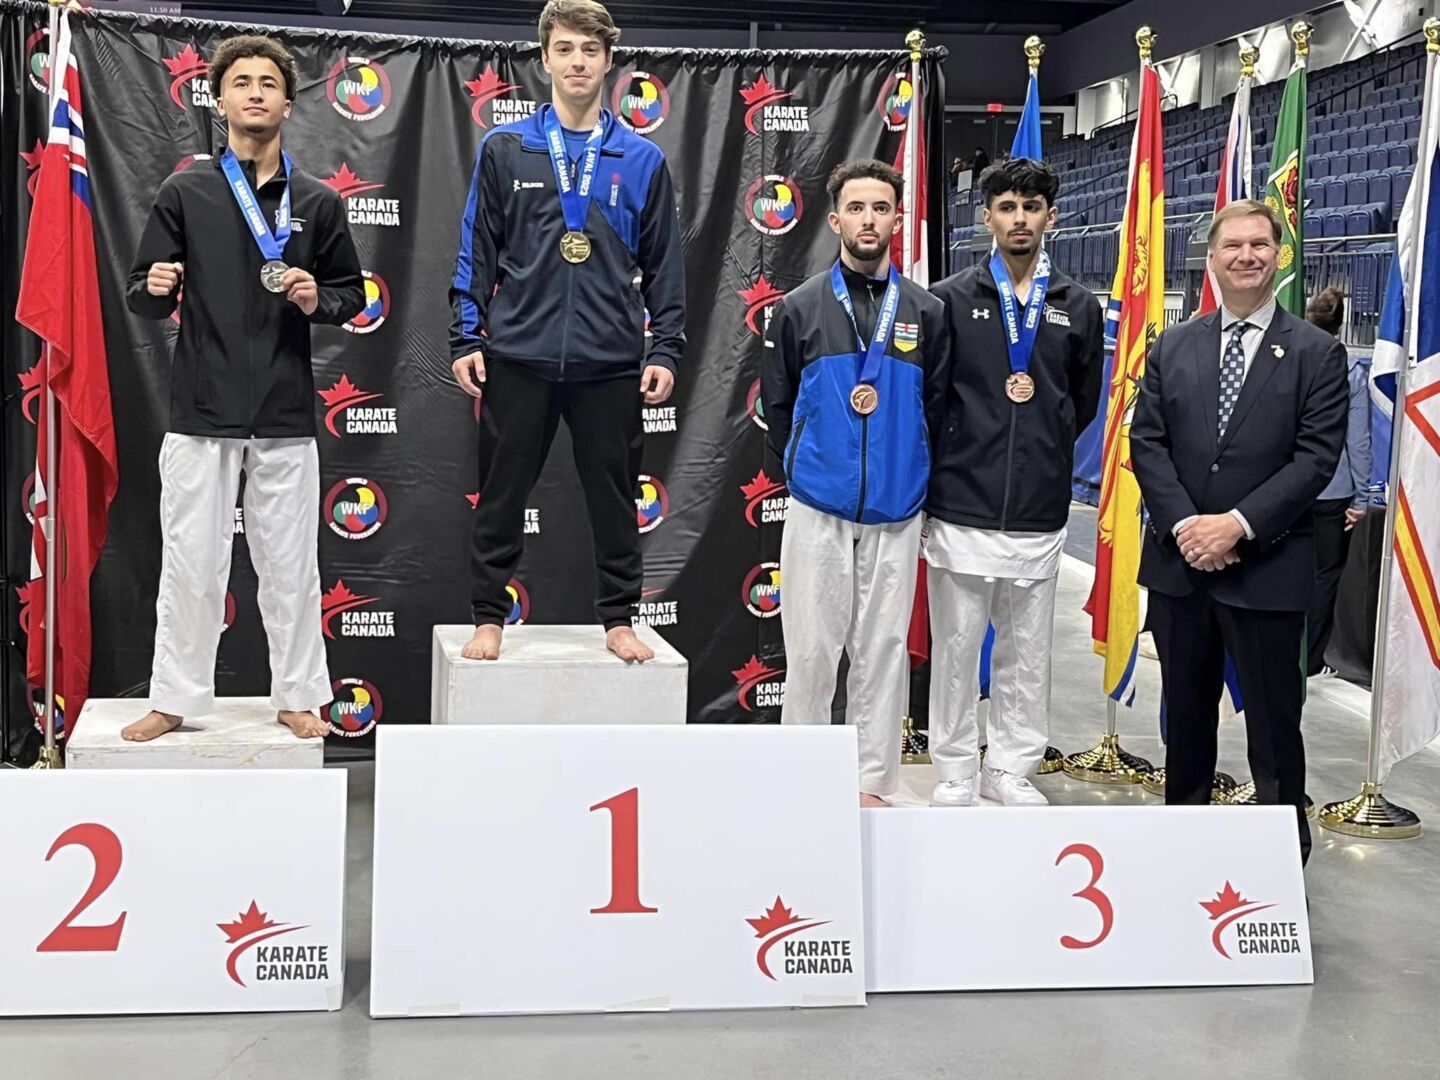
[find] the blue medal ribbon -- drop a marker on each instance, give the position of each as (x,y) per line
(272,245)
(1020,336)
(574,196)
(884,321)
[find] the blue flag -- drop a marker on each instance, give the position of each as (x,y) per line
(1027,135)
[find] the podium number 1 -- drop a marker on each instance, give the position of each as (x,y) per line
(104,846)
(624,855)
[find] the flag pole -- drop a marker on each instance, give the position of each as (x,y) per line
(50,752)
(1109,763)
(1370,814)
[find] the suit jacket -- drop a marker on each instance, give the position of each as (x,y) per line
(1279,451)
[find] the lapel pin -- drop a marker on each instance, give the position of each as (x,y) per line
(1278,351)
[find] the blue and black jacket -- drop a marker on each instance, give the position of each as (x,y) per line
(516,299)
(871,469)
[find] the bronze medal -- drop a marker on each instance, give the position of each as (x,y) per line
(574,247)
(863,399)
(1020,387)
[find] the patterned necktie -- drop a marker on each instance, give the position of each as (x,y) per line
(1232,375)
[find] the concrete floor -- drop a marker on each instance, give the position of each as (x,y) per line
(1371,1011)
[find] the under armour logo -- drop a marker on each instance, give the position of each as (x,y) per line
(979,313)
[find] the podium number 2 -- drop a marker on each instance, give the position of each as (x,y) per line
(104,846)
(624,855)
(1090,893)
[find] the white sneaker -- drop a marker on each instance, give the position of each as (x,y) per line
(954,793)
(1009,789)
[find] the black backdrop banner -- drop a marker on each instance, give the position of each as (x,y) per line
(393,124)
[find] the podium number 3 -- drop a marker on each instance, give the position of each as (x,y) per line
(624,855)
(1090,893)
(104,846)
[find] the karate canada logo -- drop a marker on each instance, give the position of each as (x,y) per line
(519,603)
(761,590)
(30,392)
(810,956)
(189,79)
(640,101)
(893,104)
(37,59)
(765,113)
(360,418)
(355,508)
(362,208)
(355,709)
(760,685)
(759,299)
(377,305)
(532,514)
(651,504)
(488,88)
(755,406)
(271,963)
(657,612)
(766,500)
(773,204)
(358,88)
(32,159)
(1253,937)
(660,419)
(343,603)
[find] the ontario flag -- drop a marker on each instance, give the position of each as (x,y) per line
(910,251)
(1235,171)
(60,302)
(1138,299)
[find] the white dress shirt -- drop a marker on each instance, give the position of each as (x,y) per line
(1256,324)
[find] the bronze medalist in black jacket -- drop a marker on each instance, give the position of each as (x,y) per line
(1001,465)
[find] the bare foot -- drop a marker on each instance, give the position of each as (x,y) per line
(872,801)
(621,640)
(485,645)
(305,725)
(151,726)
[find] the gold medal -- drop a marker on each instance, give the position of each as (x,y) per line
(575,247)
(1020,387)
(863,399)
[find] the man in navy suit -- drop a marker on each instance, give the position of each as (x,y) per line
(1238,428)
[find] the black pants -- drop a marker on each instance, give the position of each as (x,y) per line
(1332,548)
(1192,635)
(519,415)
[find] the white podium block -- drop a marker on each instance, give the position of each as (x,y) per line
(1050,897)
(555,675)
(242,733)
(172,891)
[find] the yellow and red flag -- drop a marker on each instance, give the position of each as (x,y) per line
(1137,299)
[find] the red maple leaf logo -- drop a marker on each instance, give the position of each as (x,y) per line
(341,396)
(757,95)
(752,674)
(777,924)
(32,164)
(30,382)
(346,183)
(756,492)
(339,597)
(1228,906)
(27,594)
(757,298)
(250,929)
(184,66)
(485,88)
(252,920)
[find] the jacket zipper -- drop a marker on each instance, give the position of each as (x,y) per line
(1009,470)
(794,447)
(864,467)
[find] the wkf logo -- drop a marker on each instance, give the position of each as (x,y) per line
(358,88)
(893,102)
(774,205)
(355,508)
(641,101)
(377,305)
(755,406)
(761,590)
(652,504)
(519,603)
(37,59)
(356,708)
